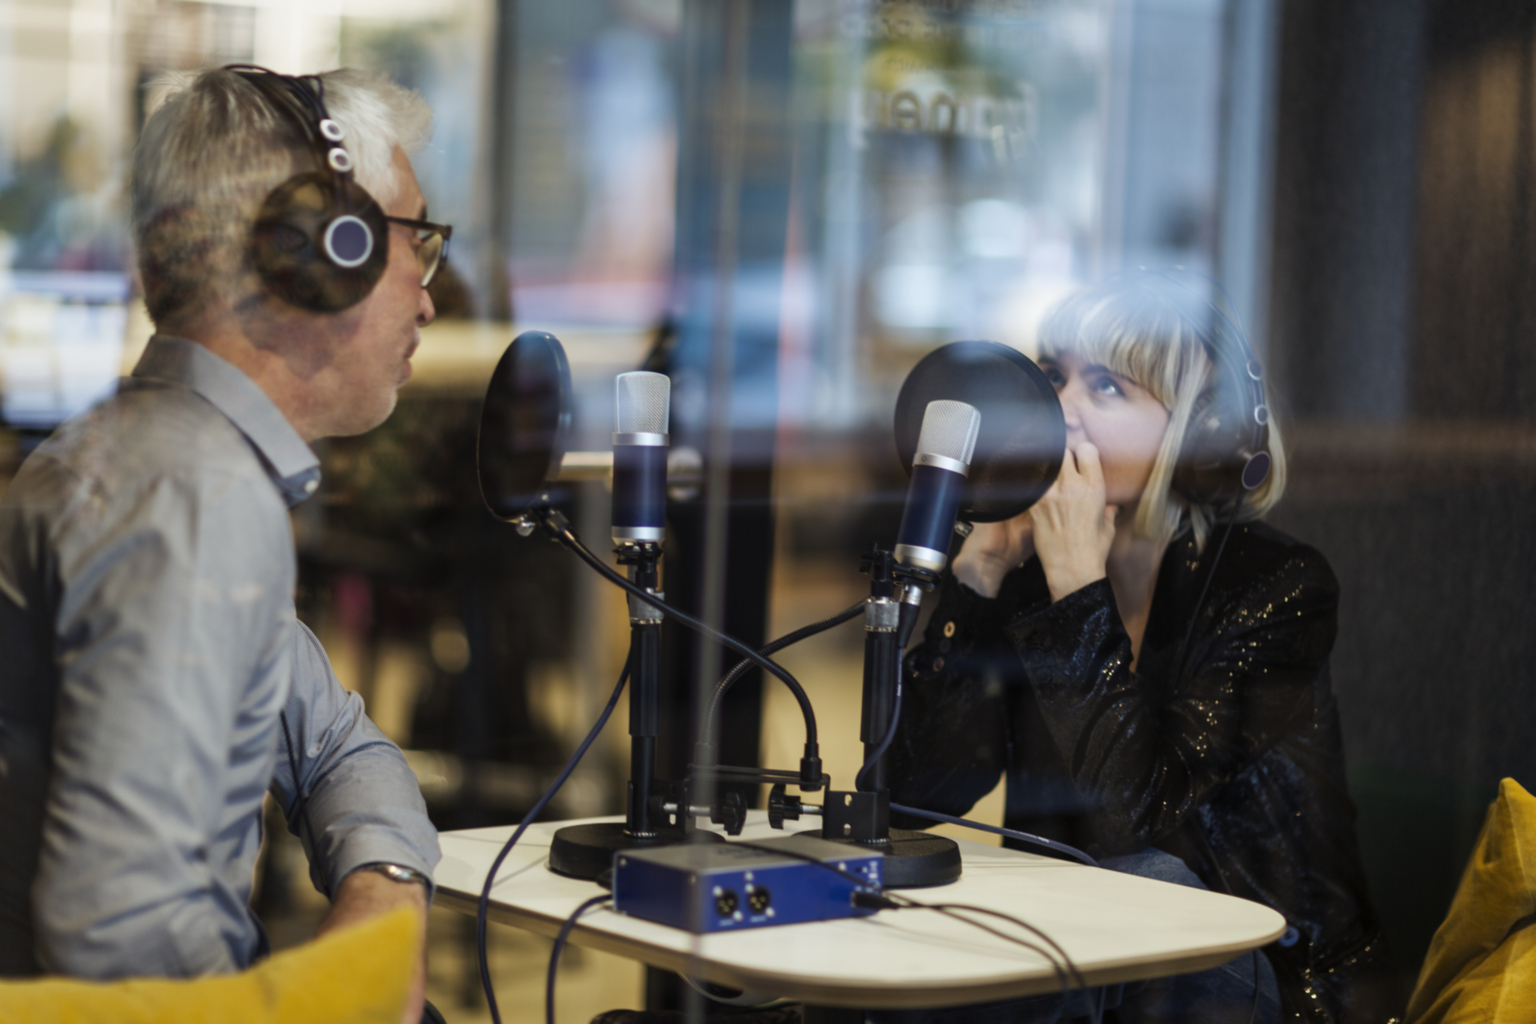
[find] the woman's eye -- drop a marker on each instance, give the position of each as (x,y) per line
(1106,386)
(1055,377)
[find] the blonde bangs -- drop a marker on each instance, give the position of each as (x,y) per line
(1148,343)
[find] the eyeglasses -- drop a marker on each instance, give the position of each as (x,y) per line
(431,244)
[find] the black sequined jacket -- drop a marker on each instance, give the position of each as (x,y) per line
(1232,762)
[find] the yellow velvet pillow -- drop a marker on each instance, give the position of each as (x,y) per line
(1481,965)
(356,976)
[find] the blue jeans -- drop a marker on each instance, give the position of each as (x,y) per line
(1221,995)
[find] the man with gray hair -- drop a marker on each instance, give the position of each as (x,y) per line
(155,681)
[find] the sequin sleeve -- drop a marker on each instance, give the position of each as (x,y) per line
(953,740)
(1152,751)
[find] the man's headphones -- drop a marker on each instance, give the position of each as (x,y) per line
(1225,453)
(320,241)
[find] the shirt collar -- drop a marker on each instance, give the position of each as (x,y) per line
(293,467)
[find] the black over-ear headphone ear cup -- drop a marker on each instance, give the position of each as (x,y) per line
(1216,463)
(318,250)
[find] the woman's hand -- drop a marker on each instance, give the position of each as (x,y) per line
(1073,527)
(992,551)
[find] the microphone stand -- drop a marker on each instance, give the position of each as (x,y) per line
(655,811)
(645,657)
(862,817)
(888,599)
(660,811)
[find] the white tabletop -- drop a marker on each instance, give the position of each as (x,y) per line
(1115,927)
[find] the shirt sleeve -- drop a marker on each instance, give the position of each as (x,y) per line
(1152,757)
(344,787)
(952,741)
(160,624)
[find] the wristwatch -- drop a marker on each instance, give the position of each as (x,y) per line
(397,873)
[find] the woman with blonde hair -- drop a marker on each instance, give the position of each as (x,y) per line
(1145,662)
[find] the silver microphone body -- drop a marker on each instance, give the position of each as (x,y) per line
(943,459)
(642,412)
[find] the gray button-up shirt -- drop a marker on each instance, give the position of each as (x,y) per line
(155,683)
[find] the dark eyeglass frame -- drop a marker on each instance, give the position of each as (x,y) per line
(443,230)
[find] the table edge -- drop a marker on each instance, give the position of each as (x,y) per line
(844,994)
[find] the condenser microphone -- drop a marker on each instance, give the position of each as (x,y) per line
(640,457)
(944,448)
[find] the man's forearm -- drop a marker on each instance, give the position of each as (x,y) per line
(367,894)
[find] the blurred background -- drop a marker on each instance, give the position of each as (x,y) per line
(784,205)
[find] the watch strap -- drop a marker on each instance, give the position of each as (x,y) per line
(398,873)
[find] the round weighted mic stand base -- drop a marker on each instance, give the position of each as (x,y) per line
(913,860)
(586,851)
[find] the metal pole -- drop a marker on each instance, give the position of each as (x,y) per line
(644,695)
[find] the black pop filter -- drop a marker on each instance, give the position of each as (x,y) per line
(524,424)
(1019,450)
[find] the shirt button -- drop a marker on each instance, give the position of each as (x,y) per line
(949,628)
(310,486)
(944,646)
(938,664)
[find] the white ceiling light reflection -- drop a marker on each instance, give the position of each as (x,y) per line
(912,295)
(994,229)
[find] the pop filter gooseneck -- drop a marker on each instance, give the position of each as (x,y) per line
(1023,435)
(524,424)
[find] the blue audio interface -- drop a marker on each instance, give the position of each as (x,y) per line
(719,887)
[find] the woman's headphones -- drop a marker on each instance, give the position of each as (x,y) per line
(1226,442)
(320,241)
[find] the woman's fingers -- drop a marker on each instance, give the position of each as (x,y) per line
(1021,537)
(1088,465)
(1068,466)
(1073,525)
(1065,477)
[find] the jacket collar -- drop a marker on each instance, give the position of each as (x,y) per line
(292,465)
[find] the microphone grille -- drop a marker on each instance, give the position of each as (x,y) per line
(949,430)
(643,401)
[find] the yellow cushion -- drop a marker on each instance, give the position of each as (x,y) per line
(356,976)
(1481,965)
